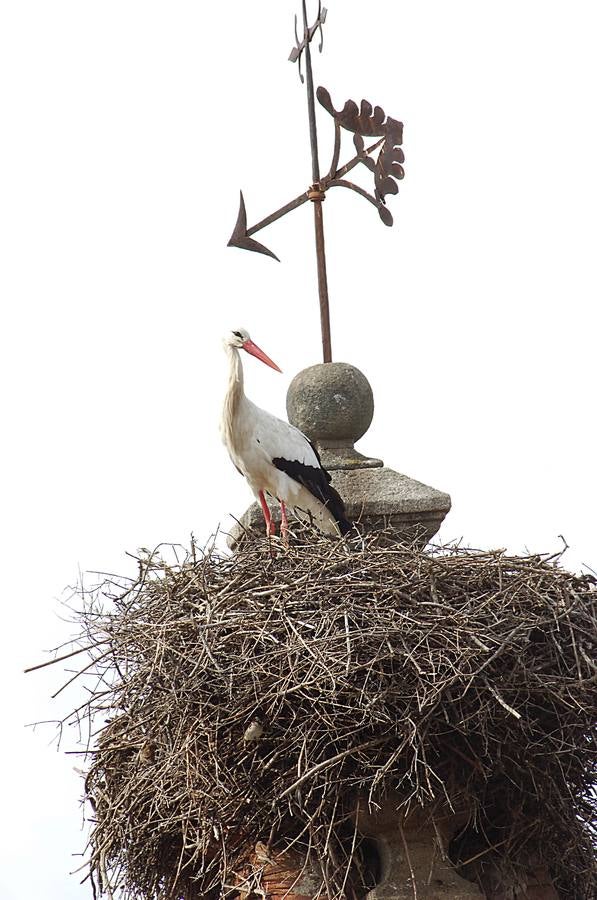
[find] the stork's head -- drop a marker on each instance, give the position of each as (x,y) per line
(240,340)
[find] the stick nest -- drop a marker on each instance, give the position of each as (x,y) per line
(451,676)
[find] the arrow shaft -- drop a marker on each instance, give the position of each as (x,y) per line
(294,204)
(354,161)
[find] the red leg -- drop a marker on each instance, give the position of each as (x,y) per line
(284,526)
(270,528)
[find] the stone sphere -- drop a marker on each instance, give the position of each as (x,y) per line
(331,403)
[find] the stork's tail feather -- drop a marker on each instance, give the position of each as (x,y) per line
(335,504)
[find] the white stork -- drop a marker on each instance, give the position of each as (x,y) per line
(275,457)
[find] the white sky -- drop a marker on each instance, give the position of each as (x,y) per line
(128,129)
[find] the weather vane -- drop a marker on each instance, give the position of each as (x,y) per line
(364,122)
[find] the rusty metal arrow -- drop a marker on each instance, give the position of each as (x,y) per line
(364,121)
(241,236)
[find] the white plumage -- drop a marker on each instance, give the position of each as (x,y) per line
(275,457)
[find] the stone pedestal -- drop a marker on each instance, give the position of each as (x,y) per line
(413,859)
(332,404)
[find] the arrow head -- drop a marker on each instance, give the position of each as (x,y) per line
(240,238)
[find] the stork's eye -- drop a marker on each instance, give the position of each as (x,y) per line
(237,334)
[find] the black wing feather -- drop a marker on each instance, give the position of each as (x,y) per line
(318,457)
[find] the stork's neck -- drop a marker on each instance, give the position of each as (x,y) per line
(235,393)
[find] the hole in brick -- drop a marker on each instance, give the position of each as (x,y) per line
(372,863)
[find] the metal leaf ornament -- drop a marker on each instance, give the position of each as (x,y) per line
(369,121)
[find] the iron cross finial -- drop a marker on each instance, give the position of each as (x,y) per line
(308,35)
(363,122)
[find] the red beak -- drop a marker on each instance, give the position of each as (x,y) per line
(254,350)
